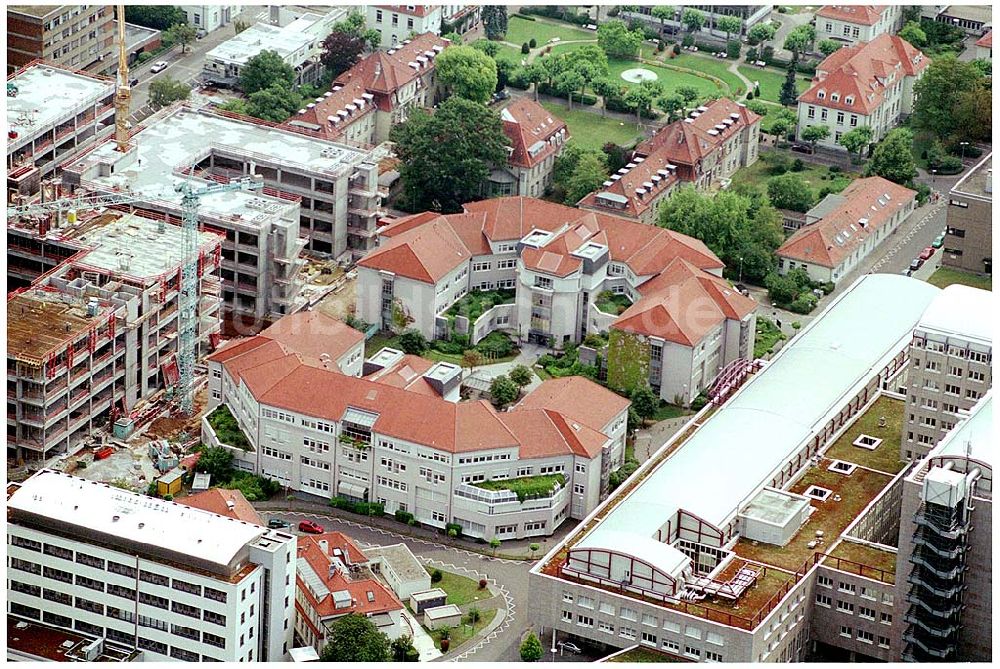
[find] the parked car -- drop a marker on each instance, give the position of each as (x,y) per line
(134,82)
(742,289)
(916,264)
(927,253)
(802,148)
(277,523)
(311,527)
(907,272)
(501,95)
(571,647)
(938,241)
(159,66)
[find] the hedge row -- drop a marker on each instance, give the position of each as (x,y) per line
(376,509)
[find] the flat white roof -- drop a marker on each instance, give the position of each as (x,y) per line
(974,435)
(260,37)
(734,454)
(961,311)
(99,507)
(47,96)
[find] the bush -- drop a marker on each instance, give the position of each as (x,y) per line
(436,576)
(698,403)
(525,49)
(796,325)
(412,522)
(835,169)
(453,529)
(749,95)
(677,49)
(804,303)
(532,43)
(782,10)
(733,47)
(752,54)
(376,509)
(524,15)
(403,516)
(688,40)
(143,57)
(168,497)
(798,165)
(482,584)
(519,79)
(496,345)
(923,193)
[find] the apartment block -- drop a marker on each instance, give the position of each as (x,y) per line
(969,234)
(172,582)
(844,228)
(945,561)
(537,138)
(377,93)
(851,24)
(868,84)
(316,194)
(52,111)
(400,436)
(78,37)
(396,23)
(768,552)
(951,366)
(98,332)
(704,149)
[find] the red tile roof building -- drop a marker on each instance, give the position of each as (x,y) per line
(984,46)
(228,503)
(851,24)
(705,149)
(395,23)
(537,138)
(844,228)
(868,84)
(378,92)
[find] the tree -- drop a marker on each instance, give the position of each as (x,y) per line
(587,176)
(533,548)
(790,191)
(341,50)
(781,124)
(166,90)
(274,104)
(181,33)
(467,72)
(673,107)
(531,648)
(263,71)
(158,17)
(944,82)
(617,41)
(503,391)
(590,62)
(789,95)
(645,402)
(757,107)
(535,73)
(815,133)
(240,26)
(402,649)
(693,20)
(914,34)
(471,358)
(412,341)
(640,98)
(495,21)
(663,12)
(799,39)
(354,25)
(355,638)
(235,106)
(760,33)
(729,25)
(893,159)
(689,94)
(567,83)
(973,113)
(491,49)
(828,46)
(521,375)
(216,462)
(446,156)
(781,289)
(857,140)
(606,87)
(495,545)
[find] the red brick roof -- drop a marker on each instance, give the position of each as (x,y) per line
(865,15)
(828,241)
(691,139)
(862,73)
(545,432)
(578,399)
(426,253)
(218,501)
(314,334)
(986,41)
(527,123)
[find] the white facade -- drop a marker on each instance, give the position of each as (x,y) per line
(396,23)
(210,17)
(132,575)
(841,28)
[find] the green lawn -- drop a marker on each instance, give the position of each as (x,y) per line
(521,30)
(461,589)
(770,80)
(645,655)
(945,276)
(670,79)
(885,457)
(817,176)
(591,130)
(526,487)
(462,633)
(666,411)
(709,65)
(512,54)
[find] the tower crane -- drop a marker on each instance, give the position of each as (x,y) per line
(123,88)
(187,326)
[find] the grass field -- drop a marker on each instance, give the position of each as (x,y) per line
(593,131)
(462,633)
(461,590)
(817,176)
(521,30)
(709,65)
(771,80)
(945,276)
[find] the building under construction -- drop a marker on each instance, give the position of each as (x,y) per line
(98,331)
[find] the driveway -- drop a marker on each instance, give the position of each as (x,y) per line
(789,22)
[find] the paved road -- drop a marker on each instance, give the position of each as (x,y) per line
(510,577)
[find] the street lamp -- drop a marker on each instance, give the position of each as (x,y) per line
(963,145)
(934,177)
(741,270)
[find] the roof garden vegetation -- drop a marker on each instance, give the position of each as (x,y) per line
(227,430)
(611,303)
(885,457)
(640,654)
(526,487)
(867,561)
(475,304)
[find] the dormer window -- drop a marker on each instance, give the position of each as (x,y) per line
(849,99)
(835,97)
(821,95)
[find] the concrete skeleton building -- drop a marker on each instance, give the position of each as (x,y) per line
(841,230)
(317,195)
(399,436)
(378,92)
(969,236)
(298,42)
(737,555)
(135,572)
(868,84)
(851,24)
(97,332)
(52,111)
(951,369)
(537,138)
(73,36)
(704,149)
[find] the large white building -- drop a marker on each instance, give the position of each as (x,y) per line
(868,84)
(396,23)
(210,17)
(851,24)
(175,582)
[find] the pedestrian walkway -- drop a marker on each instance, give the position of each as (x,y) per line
(649,440)
(422,641)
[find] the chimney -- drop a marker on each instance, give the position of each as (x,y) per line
(275,15)
(324,546)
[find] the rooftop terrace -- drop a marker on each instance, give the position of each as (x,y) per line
(885,456)
(46,96)
(56,645)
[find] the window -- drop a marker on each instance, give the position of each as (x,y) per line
(24,565)
(691,651)
(865,636)
(692,632)
(153,600)
(671,646)
(568,597)
(543,282)
(606,608)
(584,621)
(847,587)
(824,600)
(26,543)
(567,616)
(845,607)
(215,595)
(649,620)
(59,552)
(846,631)
(585,602)
(121,591)
(886,618)
(481,266)
(883,642)
(154,578)
(378,16)
(607,628)
(649,639)
(214,618)
(578,489)
(811,112)
(58,575)
(712,656)
(824,581)
(866,613)
(627,633)
(628,614)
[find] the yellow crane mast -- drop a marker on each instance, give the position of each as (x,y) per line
(123,90)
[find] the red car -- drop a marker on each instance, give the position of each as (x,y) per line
(927,253)
(311,527)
